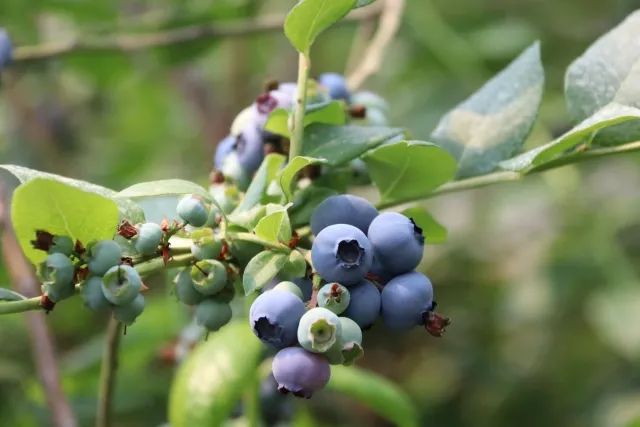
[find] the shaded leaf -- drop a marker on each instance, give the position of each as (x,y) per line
(288,174)
(309,18)
(306,201)
(258,188)
(209,384)
(379,394)
(339,144)
(434,232)
(164,187)
(331,113)
(60,209)
(261,269)
(409,169)
(494,122)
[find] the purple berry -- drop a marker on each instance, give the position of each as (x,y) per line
(405,300)
(336,85)
(274,318)
(224,148)
(300,372)
(343,209)
(397,241)
(6,49)
(250,148)
(364,307)
(342,253)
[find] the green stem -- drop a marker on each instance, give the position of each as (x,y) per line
(508,176)
(148,267)
(108,373)
(297,125)
(9,307)
(252,238)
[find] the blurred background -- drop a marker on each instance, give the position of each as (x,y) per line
(540,277)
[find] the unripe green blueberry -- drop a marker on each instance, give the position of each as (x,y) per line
(121,284)
(213,314)
(92,294)
(128,313)
(349,347)
(318,330)
(334,297)
(289,287)
(205,245)
(185,290)
(56,273)
(193,210)
(226,294)
(209,276)
(62,244)
(148,238)
(103,255)
(243,251)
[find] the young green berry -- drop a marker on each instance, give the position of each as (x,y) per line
(121,284)
(295,267)
(62,244)
(213,314)
(103,255)
(148,238)
(300,372)
(56,273)
(289,287)
(334,297)
(193,210)
(185,289)
(209,276)
(92,295)
(318,330)
(128,313)
(206,247)
(349,347)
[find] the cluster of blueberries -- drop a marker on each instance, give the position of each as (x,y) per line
(367,260)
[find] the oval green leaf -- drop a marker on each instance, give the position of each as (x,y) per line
(261,269)
(379,394)
(164,187)
(274,227)
(209,384)
(292,169)
(257,191)
(433,231)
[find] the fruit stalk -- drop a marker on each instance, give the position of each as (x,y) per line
(10,307)
(297,125)
(108,373)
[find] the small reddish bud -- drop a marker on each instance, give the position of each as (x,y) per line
(224,251)
(358,111)
(46,303)
(43,240)
(166,255)
(436,323)
(127,230)
(216,177)
(295,239)
(164,225)
(271,85)
(79,248)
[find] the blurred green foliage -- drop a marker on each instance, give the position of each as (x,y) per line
(541,278)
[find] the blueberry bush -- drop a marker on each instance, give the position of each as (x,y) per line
(283,271)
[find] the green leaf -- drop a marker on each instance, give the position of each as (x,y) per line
(434,232)
(361,3)
(407,170)
(164,187)
(306,201)
(339,144)
(379,394)
(331,113)
(261,269)
(248,219)
(292,169)
(275,227)
(211,381)
(9,295)
(127,208)
(61,209)
(611,115)
(607,72)
(295,267)
(256,193)
(309,18)
(493,123)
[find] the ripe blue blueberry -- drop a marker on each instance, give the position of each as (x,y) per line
(103,255)
(341,253)
(289,287)
(250,148)
(378,272)
(343,209)
(56,273)
(148,238)
(185,289)
(336,85)
(128,313)
(209,276)
(289,88)
(318,330)
(62,244)
(306,286)
(397,241)
(405,299)
(364,307)
(224,148)
(334,297)
(6,49)
(213,314)
(92,294)
(193,210)
(300,372)
(121,284)
(274,318)
(231,168)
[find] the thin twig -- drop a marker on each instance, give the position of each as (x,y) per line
(108,373)
(390,19)
(128,43)
(42,345)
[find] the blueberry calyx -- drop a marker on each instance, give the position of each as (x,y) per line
(268,331)
(435,323)
(350,253)
(417,231)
